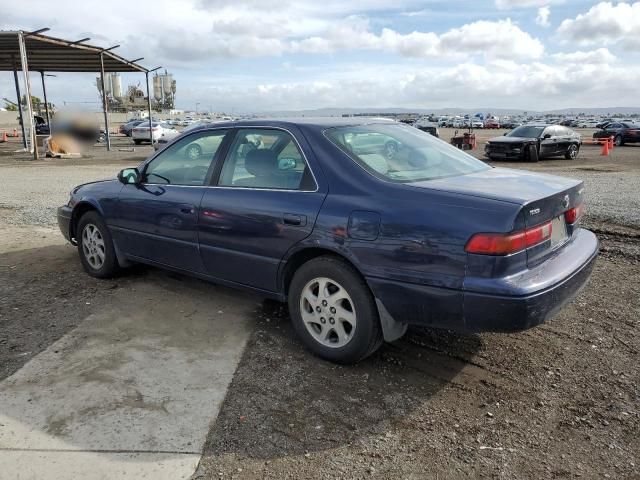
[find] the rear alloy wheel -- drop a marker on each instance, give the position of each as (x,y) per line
(95,246)
(572,152)
(618,141)
(333,311)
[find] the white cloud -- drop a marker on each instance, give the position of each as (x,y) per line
(542,18)
(604,23)
(500,39)
(508,4)
(594,57)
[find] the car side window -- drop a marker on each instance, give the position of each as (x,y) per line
(266,158)
(185,162)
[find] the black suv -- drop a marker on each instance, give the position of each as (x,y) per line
(533,142)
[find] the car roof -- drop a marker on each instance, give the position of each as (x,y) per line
(319,123)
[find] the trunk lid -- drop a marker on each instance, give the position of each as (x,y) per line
(541,197)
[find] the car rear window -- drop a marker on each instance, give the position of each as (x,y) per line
(402,154)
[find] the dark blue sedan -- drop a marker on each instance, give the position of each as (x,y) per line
(364,226)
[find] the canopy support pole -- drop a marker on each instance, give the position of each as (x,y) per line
(149,108)
(46,102)
(27,81)
(104,103)
(15,78)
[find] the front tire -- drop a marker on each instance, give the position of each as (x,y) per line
(619,141)
(532,153)
(572,152)
(333,311)
(95,246)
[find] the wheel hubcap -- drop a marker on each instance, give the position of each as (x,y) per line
(93,246)
(328,312)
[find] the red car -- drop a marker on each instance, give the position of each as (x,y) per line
(491,123)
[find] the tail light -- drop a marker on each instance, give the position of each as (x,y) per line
(506,243)
(574,214)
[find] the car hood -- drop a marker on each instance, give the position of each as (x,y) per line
(78,187)
(505,139)
(505,184)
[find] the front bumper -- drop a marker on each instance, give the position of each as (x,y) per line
(64,221)
(499,304)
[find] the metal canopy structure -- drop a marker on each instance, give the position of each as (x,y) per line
(35,52)
(49,54)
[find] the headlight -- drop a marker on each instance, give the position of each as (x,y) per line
(516,150)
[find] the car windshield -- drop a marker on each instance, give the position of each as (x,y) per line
(402,154)
(526,131)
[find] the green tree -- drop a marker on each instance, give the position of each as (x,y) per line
(10,107)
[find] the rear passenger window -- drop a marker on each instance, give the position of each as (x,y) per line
(265,158)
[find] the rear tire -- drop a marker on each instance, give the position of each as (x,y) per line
(572,152)
(137,142)
(619,141)
(333,311)
(95,246)
(532,153)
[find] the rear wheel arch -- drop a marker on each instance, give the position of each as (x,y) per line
(299,258)
(392,329)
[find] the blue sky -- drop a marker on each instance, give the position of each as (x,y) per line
(261,55)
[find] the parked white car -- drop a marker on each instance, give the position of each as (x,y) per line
(141,132)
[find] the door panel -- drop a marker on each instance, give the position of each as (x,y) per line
(159,223)
(244,233)
(266,200)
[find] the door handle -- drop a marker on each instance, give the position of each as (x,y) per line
(294,219)
(187,210)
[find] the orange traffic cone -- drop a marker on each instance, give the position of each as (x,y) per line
(15,132)
(605,148)
(5,137)
(611,144)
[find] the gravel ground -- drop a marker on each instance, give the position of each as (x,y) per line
(34,202)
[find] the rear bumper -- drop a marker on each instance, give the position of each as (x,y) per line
(498,305)
(504,313)
(64,221)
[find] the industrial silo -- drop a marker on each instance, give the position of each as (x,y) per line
(116,86)
(157,87)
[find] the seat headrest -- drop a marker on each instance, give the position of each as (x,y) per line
(261,162)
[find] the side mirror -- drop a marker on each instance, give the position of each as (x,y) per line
(547,135)
(130,176)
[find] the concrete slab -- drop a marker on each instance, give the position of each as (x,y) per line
(132,391)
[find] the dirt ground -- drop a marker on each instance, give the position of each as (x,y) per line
(558,401)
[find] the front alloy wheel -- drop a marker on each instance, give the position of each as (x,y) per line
(328,312)
(93,246)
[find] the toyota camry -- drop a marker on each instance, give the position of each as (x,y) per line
(364,226)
